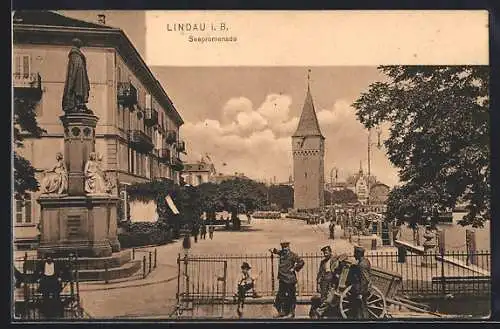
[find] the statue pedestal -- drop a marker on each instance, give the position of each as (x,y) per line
(85,225)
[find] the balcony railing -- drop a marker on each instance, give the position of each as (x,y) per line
(27,85)
(181,146)
(127,94)
(177,164)
(171,136)
(151,117)
(141,141)
(165,155)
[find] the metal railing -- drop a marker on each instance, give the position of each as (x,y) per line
(148,260)
(429,275)
(30,303)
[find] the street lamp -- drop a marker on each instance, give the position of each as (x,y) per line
(331,182)
(370,144)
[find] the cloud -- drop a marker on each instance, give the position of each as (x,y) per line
(256,141)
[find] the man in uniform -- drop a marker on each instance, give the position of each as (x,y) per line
(361,283)
(328,277)
(289,264)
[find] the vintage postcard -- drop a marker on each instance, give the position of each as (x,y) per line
(249,165)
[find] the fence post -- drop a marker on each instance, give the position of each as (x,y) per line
(144,267)
(443,283)
(155,258)
(150,260)
(272,273)
(133,253)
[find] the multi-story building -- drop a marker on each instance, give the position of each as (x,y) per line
(199,172)
(138,129)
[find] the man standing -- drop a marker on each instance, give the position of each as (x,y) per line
(332,229)
(325,279)
(329,272)
(203,234)
(196,231)
(211,230)
(289,264)
(361,284)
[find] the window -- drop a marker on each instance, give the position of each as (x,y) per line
(22,67)
(23,211)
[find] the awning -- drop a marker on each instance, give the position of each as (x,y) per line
(171,205)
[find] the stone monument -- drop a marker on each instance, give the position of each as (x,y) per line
(78,214)
(429,248)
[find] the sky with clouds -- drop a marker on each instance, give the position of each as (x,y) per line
(243,117)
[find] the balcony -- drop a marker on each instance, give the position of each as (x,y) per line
(151,117)
(171,136)
(127,94)
(177,164)
(181,146)
(165,156)
(140,141)
(27,86)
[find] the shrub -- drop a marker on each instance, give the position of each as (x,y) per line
(140,234)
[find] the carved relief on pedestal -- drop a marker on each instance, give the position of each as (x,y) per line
(55,180)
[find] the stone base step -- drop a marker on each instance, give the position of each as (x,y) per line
(113,273)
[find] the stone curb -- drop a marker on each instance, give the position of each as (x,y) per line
(131,286)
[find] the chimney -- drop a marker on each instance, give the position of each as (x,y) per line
(101,19)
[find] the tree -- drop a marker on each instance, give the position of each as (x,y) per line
(187,202)
(343,196)
(439,135)
(235,195)
(281,195)
(25,125)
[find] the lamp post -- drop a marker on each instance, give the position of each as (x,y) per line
(370,144)
(331,182)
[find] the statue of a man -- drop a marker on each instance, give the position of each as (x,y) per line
(77,85)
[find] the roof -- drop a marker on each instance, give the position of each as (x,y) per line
(198,167)
(48,27)
(49,18)
(308,123)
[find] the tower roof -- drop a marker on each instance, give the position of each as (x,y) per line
(308,123)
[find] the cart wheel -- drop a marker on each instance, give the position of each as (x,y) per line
(375,303)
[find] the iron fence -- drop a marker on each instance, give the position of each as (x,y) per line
(203,277)
(30,304)
(148,260)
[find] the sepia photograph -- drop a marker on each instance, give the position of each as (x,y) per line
(175,166)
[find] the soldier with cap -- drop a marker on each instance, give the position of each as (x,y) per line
(361,284)
(325,278)
(289,264)
(328,280)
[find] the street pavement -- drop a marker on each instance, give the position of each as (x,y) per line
(155,295)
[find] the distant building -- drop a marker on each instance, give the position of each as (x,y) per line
(360,184)
(198,173)
(308,146)
(222,177)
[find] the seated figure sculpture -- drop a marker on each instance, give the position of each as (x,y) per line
(94,182)
(55,180)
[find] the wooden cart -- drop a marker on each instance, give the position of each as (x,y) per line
(383,291)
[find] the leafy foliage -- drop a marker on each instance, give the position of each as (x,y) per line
(140,234)
(25,124)
(343,196)
(439,136)
(281,196)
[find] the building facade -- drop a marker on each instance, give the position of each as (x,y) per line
(198,173)
(308,148)
(138,129)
